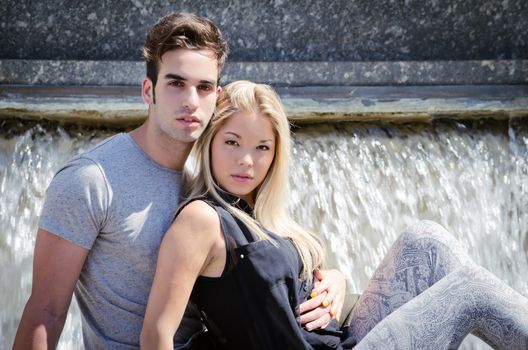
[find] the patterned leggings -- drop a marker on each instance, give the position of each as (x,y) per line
(427,293)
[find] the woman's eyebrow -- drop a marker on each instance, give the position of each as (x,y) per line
(232,133)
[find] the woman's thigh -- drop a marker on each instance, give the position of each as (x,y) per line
(467,300)
(422,255)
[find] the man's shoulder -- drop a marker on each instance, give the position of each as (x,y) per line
(106,154)
(90,164)
(107,148)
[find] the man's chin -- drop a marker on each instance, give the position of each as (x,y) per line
(179,136)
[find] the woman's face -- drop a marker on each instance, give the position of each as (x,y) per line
(242,152)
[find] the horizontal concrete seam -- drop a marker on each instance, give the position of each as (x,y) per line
(291,104)
(277,73)
(315,92)
(136,116)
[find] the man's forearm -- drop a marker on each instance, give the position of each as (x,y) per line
(57,264)
(39,328)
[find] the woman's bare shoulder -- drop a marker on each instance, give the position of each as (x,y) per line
(197,216)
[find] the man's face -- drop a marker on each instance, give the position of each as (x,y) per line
(185,93)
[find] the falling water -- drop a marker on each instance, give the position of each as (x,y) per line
(360,186)
(357,185)
(29,156)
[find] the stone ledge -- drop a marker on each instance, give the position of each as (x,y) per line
(121,106)
(326,73)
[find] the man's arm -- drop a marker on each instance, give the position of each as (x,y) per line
(327,300)
(57,264)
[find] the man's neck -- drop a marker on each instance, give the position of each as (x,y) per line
(165,151)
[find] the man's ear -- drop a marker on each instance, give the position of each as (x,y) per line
(147,91)
(218,91)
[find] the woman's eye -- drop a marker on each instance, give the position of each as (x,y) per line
(231,142)
(263,148)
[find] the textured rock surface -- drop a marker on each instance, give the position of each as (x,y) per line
(358,30)
(100,73)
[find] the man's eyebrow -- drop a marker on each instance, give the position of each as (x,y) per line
(205,81)
(172,76)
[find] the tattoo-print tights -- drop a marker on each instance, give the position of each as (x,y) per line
(427,293)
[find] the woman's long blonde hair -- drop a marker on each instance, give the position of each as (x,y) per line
(270,200)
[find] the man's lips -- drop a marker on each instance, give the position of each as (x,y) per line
(242,177)
(189,120)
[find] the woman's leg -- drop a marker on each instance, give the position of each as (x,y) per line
(467,300)
(423,254)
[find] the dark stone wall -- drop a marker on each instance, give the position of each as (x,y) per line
(280,30)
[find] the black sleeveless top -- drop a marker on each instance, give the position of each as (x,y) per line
(254,303)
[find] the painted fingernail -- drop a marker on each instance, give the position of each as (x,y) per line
(333,312)
(325,303)
(313,294)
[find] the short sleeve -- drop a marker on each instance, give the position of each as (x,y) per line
(76,203)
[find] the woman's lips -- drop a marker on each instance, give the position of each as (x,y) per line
(242,178)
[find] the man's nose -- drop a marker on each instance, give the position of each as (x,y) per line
(190,100)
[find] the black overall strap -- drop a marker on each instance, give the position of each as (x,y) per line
(235,227)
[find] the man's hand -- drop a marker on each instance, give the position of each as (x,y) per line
(326,301)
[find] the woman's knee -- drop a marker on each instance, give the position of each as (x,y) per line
(428,230)
(431,236)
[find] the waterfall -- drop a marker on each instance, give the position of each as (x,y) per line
(29,156)
(357,185)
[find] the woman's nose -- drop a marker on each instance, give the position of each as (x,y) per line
(246,160)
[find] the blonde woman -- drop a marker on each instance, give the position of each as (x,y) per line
(246,264)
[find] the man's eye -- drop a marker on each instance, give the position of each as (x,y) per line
(176,83)
(205,87)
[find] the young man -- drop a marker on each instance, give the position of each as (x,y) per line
(107,210)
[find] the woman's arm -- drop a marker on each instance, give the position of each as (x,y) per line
(192,246)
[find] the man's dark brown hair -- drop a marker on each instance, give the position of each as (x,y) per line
(182,30)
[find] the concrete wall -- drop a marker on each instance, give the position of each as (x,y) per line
(320,54)
(358,42)
(357,30)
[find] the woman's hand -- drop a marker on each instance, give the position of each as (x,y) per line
(326,300)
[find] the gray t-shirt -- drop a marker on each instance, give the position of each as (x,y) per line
(116,202)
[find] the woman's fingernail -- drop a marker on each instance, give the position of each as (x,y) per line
(313,294)
(325,303)
(333,312)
